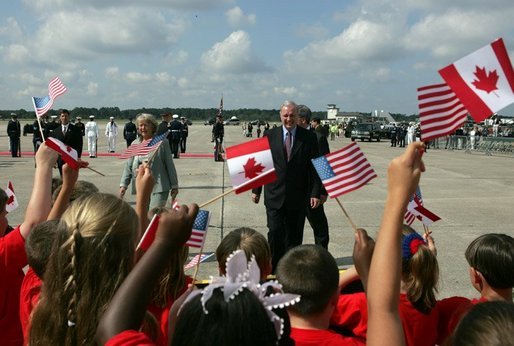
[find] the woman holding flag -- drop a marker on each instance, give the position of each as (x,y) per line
(156,152)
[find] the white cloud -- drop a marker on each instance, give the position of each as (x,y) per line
(233,55)
(237,18)
(92,89)
(16,54)
(112,72)
(362,42)
(176,58)
(286,91)
(11,29)
(138,77)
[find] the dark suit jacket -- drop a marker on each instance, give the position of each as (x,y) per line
(297,180)
(73,137)
(323,147)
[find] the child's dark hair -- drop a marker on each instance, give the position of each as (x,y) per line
(3,200)
(489,323)
(240,321)
(248,240)
(310,271)
(80,189)
(420,270)
(493,256)
(38,245)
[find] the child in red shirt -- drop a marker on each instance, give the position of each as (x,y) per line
(12,247)
(491,262)
(311,271)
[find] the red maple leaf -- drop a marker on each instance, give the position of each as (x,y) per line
(68,148)
(252,169)
(485,81)
(10,200)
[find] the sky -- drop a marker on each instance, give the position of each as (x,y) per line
(361,55)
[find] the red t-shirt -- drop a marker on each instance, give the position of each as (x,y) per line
(351,314)
(162,315)
(29,297)
(451,310)
(315,337)
(12,261)
(419,329)
(130,338)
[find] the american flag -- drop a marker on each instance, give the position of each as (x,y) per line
(144,147)
(344,170)
(415,200)
(220,110)
(43,104)
(200,227)
(440,111)
(198,259)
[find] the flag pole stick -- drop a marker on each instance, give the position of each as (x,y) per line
(427,231)
(197,267)
(346,214)
(216,198)
(94,170)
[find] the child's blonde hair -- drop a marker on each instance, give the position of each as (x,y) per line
(420,270)
(92,254)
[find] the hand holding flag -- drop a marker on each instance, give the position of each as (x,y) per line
(68,154)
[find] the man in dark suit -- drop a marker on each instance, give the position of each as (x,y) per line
(292,148)
(68,134)
(316,217)
(14,133)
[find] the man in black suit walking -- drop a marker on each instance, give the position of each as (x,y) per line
(69,134)
(297,184)
(316,217)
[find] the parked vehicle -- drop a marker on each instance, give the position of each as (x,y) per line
(258,122)
(367,131)
(232,121)
(209,121)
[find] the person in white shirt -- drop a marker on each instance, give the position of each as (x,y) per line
(92,135)
(111,132)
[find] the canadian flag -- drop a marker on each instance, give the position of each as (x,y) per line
(12,201)
(483,80)
(250,164)
(68,154)
(421,213)
(149,235)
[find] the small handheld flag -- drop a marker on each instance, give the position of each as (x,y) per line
(43,104)
(144,147)
(344,170)
(483,80)
(250,164)
(68,154)
(200,227)
(12,201)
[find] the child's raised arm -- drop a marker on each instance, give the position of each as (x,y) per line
(41,198)
(127,308)
(384,326)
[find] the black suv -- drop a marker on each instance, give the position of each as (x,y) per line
(367,131)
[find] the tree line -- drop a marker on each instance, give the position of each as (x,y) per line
(194,114)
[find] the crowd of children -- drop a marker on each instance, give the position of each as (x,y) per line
(70,274)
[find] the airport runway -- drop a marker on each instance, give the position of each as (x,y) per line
(472,193)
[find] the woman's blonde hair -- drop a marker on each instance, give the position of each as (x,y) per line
(420,271)
(148,119)
(91,256)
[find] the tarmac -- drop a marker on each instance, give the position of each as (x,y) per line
(472,193)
